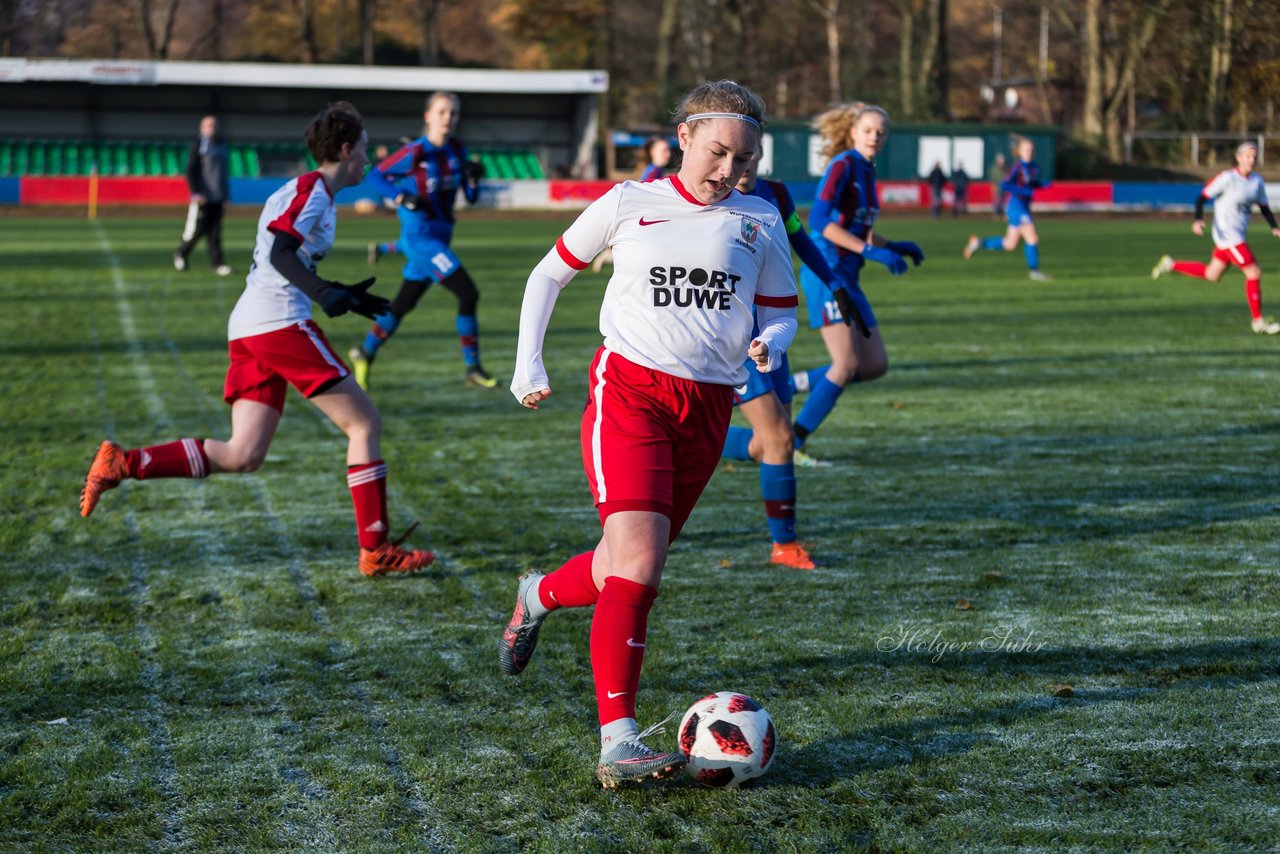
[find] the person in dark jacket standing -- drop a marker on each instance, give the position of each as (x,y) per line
(207,175)
(960,189)
(937,180)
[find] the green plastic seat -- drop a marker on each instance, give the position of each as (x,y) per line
(534,165)
(252,165)
(37,164)
(53,158)
(137,160)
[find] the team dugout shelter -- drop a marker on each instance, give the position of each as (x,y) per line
(126,126)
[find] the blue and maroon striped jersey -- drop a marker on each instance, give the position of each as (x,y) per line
(433,173)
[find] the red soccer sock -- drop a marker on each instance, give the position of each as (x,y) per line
(1253,292)
(1189,268)
(368,485)
(617,645)
(570,586)
(183,458)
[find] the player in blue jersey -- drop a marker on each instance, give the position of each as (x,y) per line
(657,156)
(765,400)
(423,178)
(842,221)
(1021,181)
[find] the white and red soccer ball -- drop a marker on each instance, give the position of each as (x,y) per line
(727,739)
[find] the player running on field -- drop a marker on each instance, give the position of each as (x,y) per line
(843,219)
(1236,191)
(692,256)
(273,342)
(424,178)
(765,400)
(1023,179)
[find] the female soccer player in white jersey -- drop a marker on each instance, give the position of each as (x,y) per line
(691,258)
(1236,191)
(273,343)
(843,223)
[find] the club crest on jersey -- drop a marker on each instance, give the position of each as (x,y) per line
(750,230)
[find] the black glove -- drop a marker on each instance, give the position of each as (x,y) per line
(338,299)
(474,170)
(849,311)
(411,202)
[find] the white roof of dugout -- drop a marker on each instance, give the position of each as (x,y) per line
(280,75)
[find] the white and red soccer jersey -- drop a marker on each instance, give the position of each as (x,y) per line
(303,208)
(1234,196)
(685,275)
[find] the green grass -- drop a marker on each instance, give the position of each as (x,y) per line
(1091,463)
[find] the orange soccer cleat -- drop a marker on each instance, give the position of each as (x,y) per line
(389,557)
(105,472)
(792,555)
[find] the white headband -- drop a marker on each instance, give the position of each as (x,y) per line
(738,116)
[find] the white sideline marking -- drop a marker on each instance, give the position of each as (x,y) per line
(320,837)
(155,723)
(430,821)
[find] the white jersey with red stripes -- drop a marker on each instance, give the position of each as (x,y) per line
(685,275)
(302,208)
(1234,196)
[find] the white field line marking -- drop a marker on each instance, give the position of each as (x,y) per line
(155,722)
(428,819)
(207,543)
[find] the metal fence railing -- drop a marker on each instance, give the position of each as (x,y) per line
(1168,146)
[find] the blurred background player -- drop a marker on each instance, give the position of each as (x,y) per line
(1236,191)
(1023,179)
(842,221)
(423,178)
(657,156)
(273,342)
(959,190)
(765,400)
(208,179)
(995,174)
(937,183)
(661,388)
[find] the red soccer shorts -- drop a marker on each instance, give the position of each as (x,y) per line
(299,355)
(1238,255)
(651,441)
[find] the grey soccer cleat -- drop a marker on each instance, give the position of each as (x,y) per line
(633,761)
(520,637)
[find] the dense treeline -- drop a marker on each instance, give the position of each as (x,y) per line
(1098,67)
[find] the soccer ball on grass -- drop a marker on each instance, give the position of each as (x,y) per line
(727,739)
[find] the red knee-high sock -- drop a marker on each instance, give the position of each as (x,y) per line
(570,586)
(183,458)
(617,645)
(1189,268)
(368,485)
(1253,292)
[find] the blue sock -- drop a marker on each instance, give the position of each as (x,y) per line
(778,486)
(993,243)
(822,399)
(736,443)
(383,328)
(468,336)
(817,375)
(1033,256)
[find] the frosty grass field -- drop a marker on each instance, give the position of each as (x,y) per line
(1044,616)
